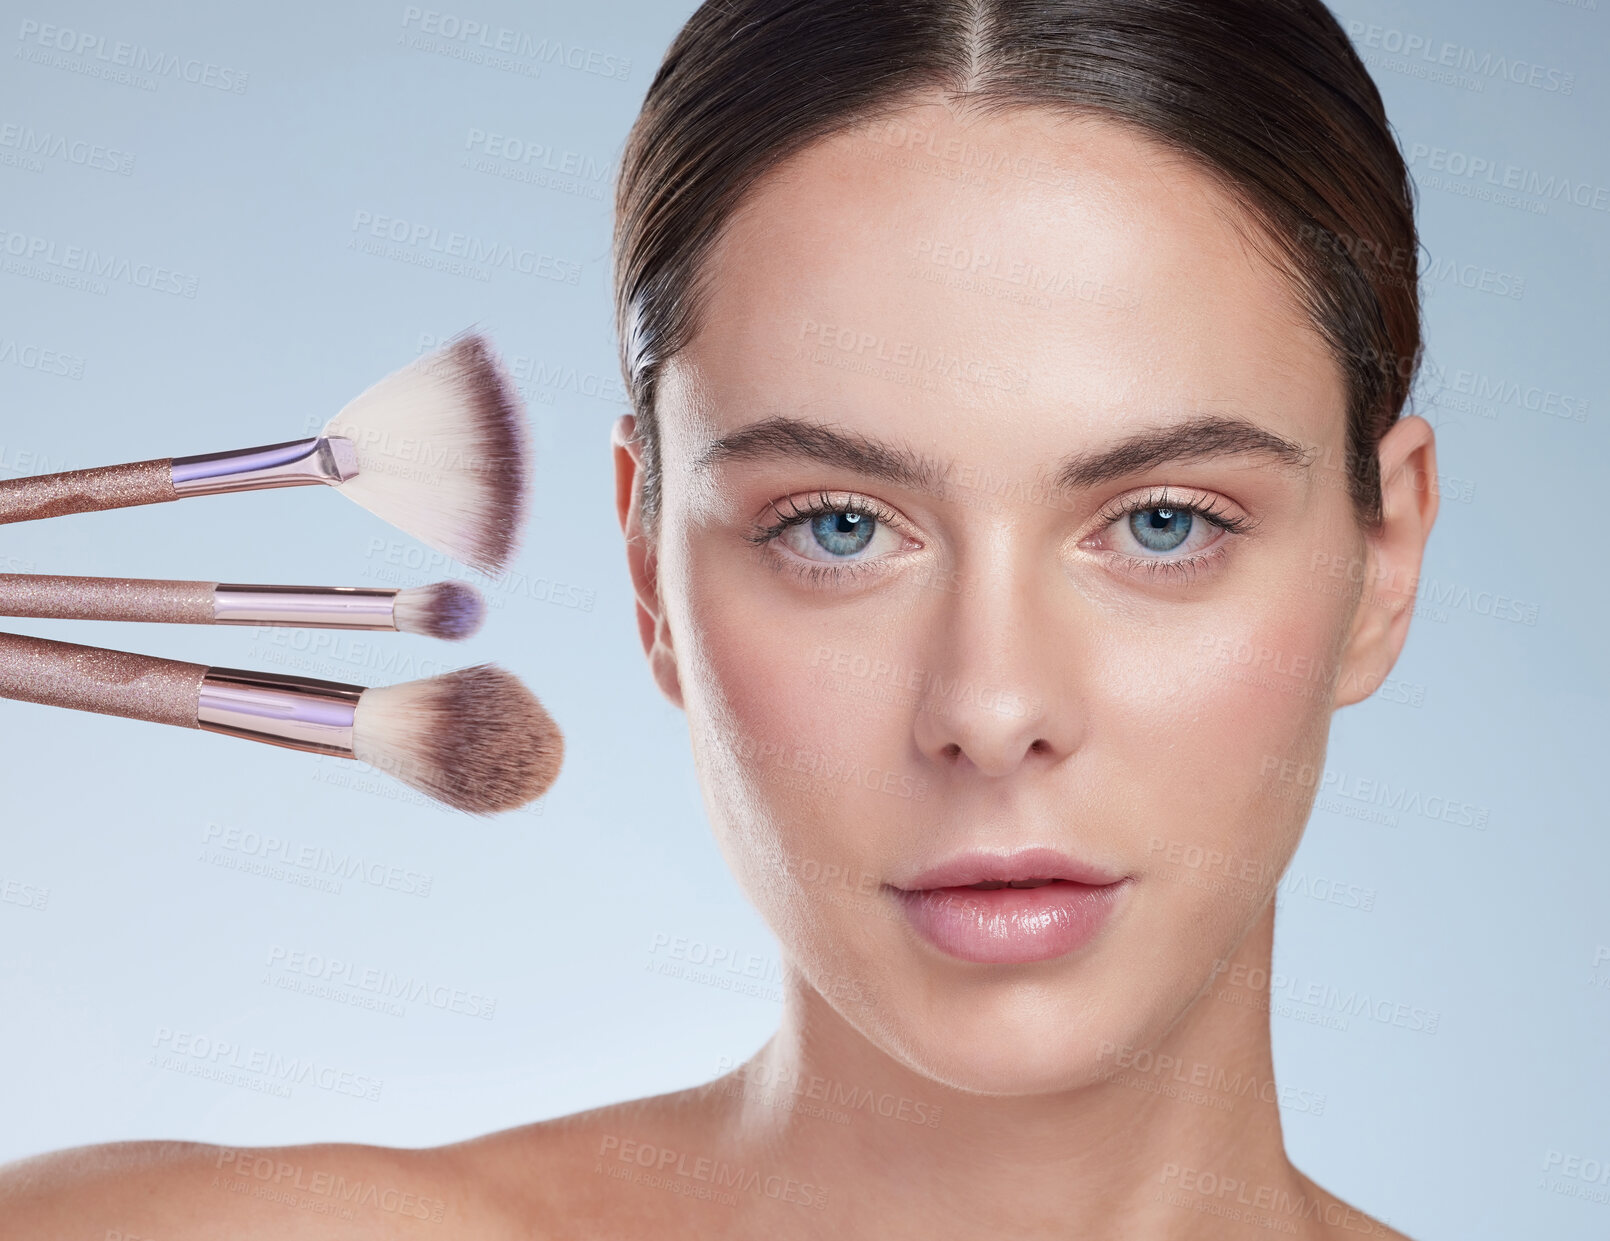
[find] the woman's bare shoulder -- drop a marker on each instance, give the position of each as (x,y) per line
(534,1181)
(567,1172)
(178,1190)
(1343,1220)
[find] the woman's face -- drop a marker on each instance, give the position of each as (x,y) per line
(1002,501)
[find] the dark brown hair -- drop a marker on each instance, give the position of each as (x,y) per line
(1268,96)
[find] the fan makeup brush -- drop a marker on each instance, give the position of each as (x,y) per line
(439,449)
(476,738)
(451,610)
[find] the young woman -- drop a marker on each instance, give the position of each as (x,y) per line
(1016,486)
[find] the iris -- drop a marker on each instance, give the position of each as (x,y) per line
(843,534)
(1160,529)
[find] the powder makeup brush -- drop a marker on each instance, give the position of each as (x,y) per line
(476,739)
(451,610)
(439,449)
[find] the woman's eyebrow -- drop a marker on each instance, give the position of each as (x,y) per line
(1197,438)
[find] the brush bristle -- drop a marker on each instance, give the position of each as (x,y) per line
(477,738)
(451,610)
(444,452)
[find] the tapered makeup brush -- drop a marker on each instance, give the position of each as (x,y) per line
(440,449)
(451,610)
(476,739)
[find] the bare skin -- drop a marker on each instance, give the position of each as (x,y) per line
(1127,1088)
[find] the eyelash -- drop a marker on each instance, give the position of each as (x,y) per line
(1183,569)
(824,502)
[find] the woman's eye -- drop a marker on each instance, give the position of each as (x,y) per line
(837,534)
(1165,530)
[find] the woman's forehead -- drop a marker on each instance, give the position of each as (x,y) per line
(1078,275)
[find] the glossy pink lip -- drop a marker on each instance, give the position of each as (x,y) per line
(1010,925)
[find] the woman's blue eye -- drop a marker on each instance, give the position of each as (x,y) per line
(1161,529)
(843,533)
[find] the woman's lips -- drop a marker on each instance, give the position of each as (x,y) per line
(1010,909)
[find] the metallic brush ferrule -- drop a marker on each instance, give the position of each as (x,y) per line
(312,607)
(297,712)
(296,463)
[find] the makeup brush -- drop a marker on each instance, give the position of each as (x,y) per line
(476,738)
(439,449)
(451,610)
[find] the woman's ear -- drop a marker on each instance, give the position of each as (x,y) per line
(652,628)
(1392,557)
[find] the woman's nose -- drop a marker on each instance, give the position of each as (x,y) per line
(997,690)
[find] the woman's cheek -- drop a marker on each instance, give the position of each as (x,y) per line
(778,735)
(1198,714)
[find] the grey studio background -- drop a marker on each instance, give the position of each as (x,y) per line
(257,177)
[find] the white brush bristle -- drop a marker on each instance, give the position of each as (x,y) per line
(444,452)
(451,610)
(477,738)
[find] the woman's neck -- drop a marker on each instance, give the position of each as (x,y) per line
(1165,1139)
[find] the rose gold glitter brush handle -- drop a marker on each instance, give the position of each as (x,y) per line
(297,712)
(85,491)
(106,598)
(330,460)
(197,603)
(87,678)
